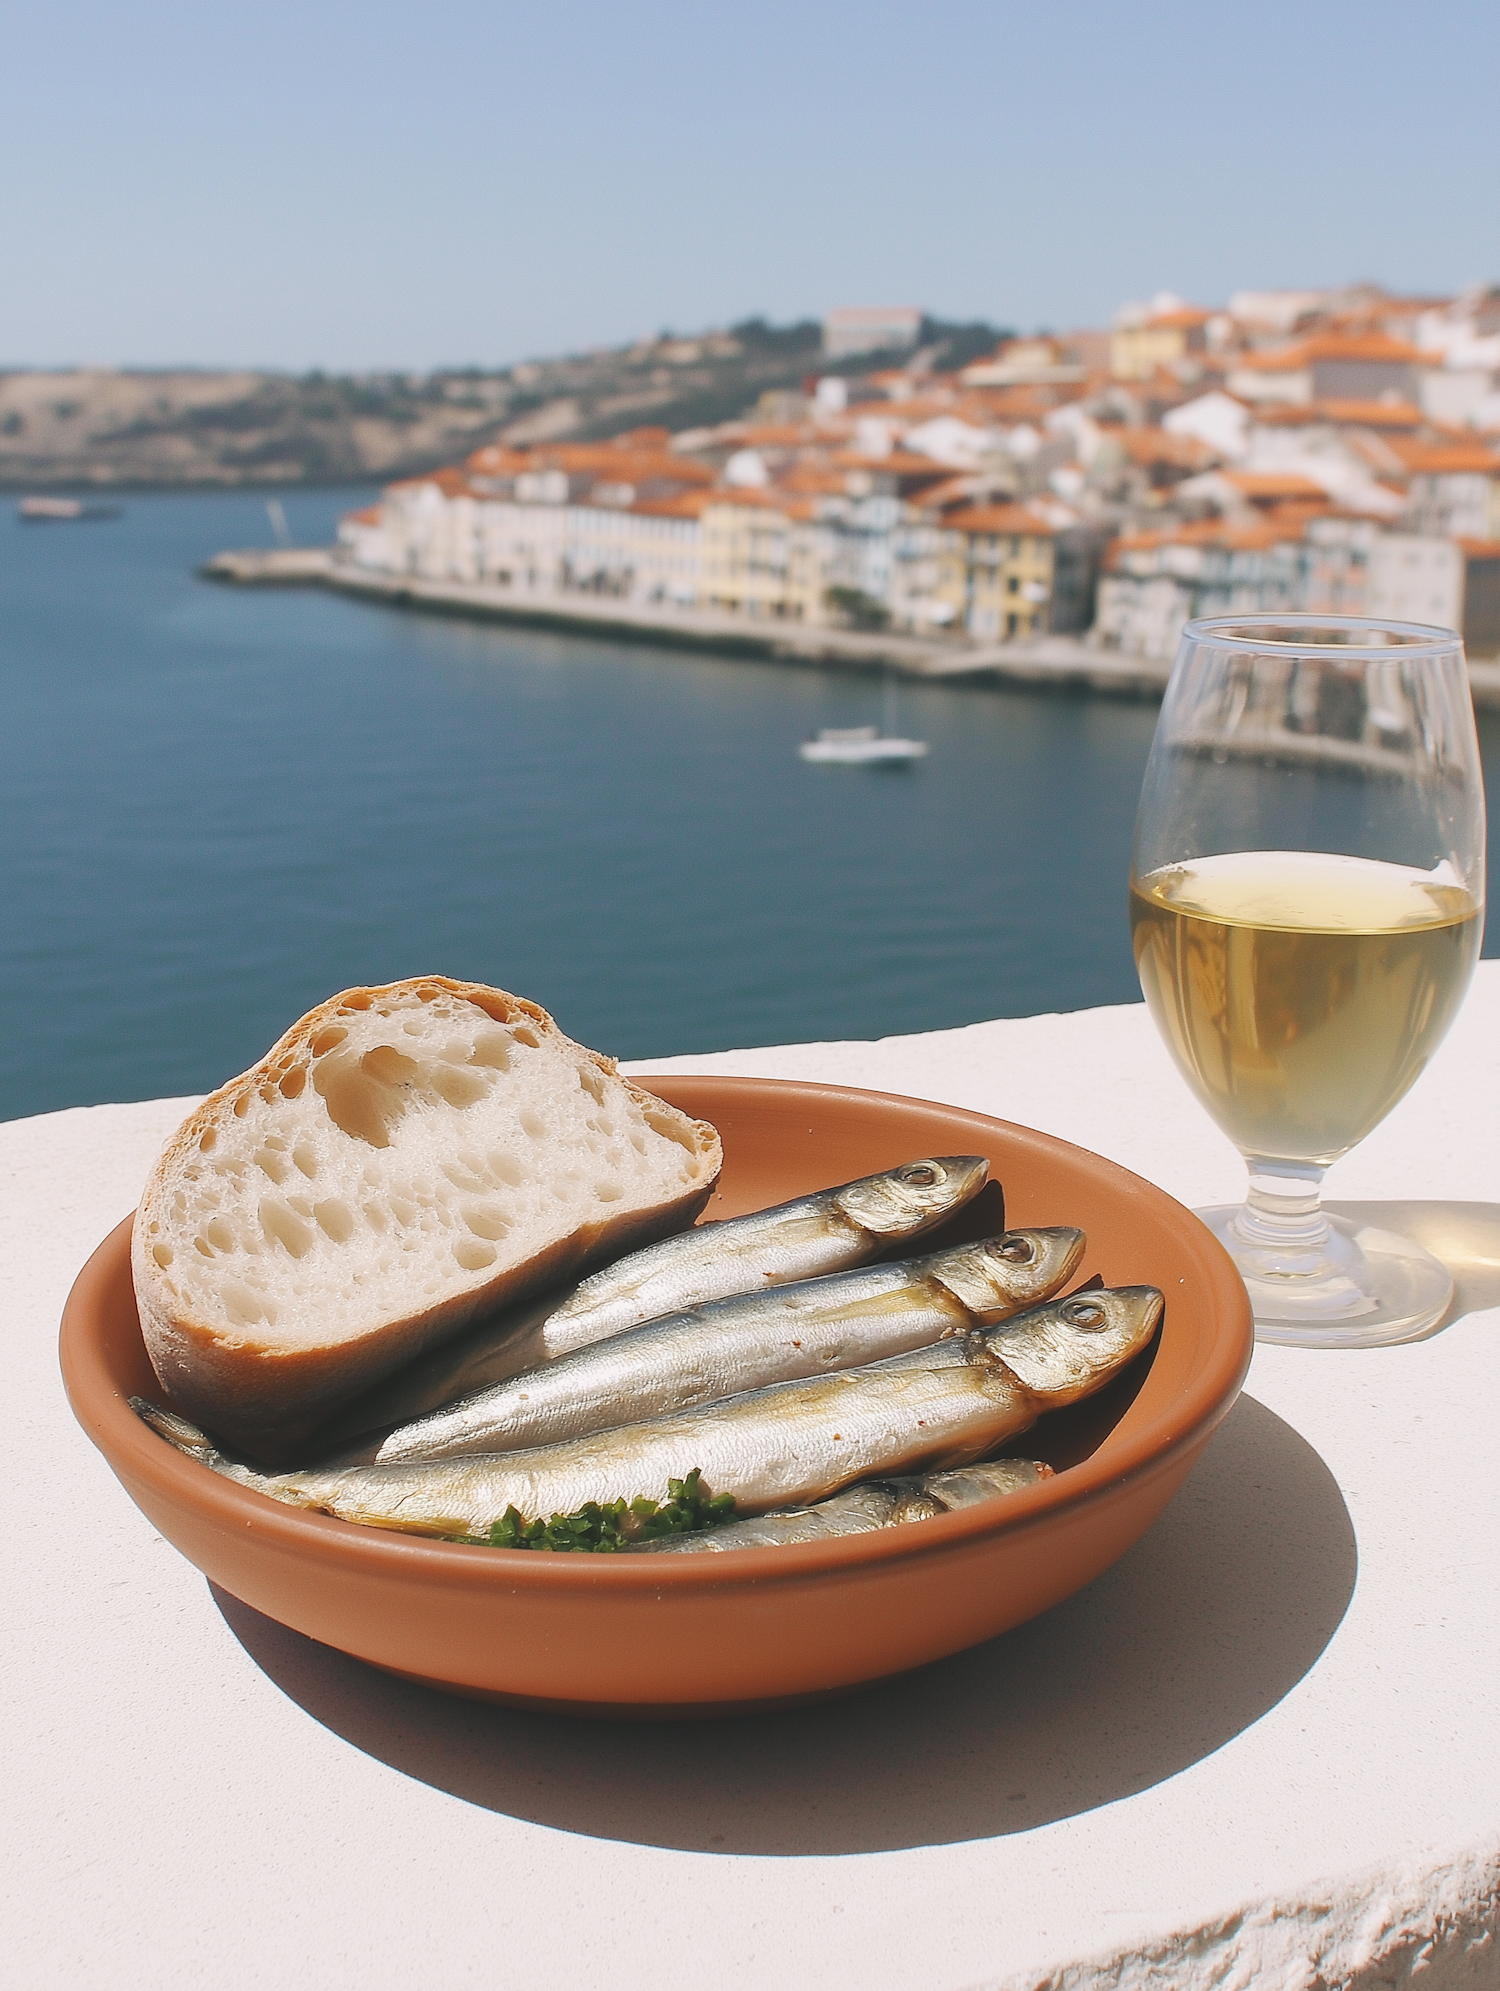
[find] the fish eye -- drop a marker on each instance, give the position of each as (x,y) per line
(1016,1250)
(920,1174)
(1087,1314)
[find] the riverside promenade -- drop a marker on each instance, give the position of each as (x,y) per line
(1055,663)
(1060,662)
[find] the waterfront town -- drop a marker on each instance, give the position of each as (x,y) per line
(1324,451)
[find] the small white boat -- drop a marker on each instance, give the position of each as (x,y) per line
(62,511)
(856,744)
(865,745)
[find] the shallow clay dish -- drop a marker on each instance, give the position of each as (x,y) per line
(712,1633)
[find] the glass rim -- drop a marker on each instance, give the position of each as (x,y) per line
(1415,639)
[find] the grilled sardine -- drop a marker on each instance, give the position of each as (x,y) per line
(789,1444)
(803,1239)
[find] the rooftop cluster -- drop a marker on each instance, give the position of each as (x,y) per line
(1333,451)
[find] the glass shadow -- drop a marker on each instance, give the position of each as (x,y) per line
(1465,1236)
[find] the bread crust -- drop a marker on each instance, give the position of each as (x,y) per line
(267,1399)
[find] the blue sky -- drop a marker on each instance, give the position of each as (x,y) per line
(379,185)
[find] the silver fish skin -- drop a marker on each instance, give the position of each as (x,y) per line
(787,1445)
(860,1510)
(803,1239)
(743,1342)
(969,1485)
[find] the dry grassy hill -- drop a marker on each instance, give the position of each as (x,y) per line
(95,427)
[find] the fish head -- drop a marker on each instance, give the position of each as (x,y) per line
(903,1202)
(1001,1274)
(1066,1348)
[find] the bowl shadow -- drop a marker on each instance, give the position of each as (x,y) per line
(1209,1621)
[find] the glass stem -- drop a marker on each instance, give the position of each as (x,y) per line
(1282,1221)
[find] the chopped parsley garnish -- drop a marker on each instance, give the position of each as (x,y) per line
(603,1527)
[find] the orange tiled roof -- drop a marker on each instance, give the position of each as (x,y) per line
(1480,549)
(1335,346)
(814,480)
(1249,538)
(655,470)
(1027,403)
(747,497)
(1014,519)
(1148,446)
(1368,345)
(1436,458)
(646,438)
(1273,484)
(618,463)
(1185,319)
(956,489)
(369,516)
(1354,414)
(638,457)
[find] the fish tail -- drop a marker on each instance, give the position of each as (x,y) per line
(176,1430)
(187,1438)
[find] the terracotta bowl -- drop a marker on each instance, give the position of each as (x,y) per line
(712,1634)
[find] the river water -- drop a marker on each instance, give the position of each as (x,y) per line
(218,806)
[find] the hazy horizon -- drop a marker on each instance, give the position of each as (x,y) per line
(360,190)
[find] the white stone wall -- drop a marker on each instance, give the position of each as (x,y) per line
(1415,579)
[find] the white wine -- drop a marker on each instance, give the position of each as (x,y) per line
(1301,993)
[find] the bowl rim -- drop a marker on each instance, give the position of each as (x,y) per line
(1193,1414)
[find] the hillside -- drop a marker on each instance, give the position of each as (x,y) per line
(189,427)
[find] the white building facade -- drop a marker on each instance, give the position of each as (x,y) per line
(646,553)
(1339,567)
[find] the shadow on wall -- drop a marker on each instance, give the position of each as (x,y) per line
(1205,1625)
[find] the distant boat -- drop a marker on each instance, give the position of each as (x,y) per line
(864,745)
(859,744)
(62,511)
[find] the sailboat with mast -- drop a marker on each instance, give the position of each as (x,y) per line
(865,746)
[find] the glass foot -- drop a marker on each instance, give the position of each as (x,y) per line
(1370,1288)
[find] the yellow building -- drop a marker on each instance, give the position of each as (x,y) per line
(1137,351)
(756,556)
(995,571)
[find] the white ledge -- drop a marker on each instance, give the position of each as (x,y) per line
(1263,1751)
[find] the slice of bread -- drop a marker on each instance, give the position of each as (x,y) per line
(405,1159)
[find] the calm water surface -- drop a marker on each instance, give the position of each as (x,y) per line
(219,806)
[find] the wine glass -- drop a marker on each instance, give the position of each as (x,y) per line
(1306,904)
